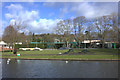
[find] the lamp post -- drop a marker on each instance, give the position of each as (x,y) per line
(36,42)
(86,32)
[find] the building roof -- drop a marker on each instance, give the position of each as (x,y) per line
(88,41)
(3,43)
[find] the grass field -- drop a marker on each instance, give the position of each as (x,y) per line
(66,57)
(99,51)
(53,54)
(38,52)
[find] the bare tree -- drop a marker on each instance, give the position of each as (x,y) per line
(19,25)
(90,30)
(115,28)
(10,35)
(78,25)
(103,24)
(64,28)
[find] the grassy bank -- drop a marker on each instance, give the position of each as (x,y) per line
(92,54)
(98,51)
(37,52)
(66,57)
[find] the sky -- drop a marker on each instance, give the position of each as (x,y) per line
(42,17)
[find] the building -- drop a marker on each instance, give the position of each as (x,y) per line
(4,46)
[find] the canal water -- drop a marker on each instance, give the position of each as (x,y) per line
(58,69)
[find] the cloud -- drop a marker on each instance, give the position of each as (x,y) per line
(20,15)
(60,0)
(51,14)
(14,7)
(8,16)
(53,4)
(32,20)
(17,13)
(88,9)
(19,0)
(24,18)
(28,15)
(50,4)
(2,24)
(43,25)
(63,11)
(83,9)
(0,28)
(91,10)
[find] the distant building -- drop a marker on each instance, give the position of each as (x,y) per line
(56,40)
(4,46)
(2,43)
(19,43)
(91,41)
(97,43)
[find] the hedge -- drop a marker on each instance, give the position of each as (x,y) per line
(17,46)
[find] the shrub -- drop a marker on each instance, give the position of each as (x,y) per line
(17,46)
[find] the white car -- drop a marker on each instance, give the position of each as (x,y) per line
(24,49)
(31,49)
(36,48)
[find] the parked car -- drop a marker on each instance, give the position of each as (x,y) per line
(36,48)
(26,49)
(63,48)
(31,49)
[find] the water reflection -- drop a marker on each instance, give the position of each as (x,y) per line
(18,61)
(59,69)
(0,69)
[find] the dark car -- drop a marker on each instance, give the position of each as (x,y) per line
(63,48)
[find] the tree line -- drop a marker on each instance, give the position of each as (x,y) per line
(104,28)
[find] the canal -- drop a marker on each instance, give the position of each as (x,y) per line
(16,68)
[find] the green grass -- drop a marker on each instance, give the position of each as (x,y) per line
(67,57)
(38,52)
(98,51)
(92,54)
(104,51)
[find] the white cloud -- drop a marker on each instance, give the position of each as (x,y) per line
(24,18)
(8,16)
(91,10)
(31,20)
(0,19)
(60,0)
(51,14)
(2,24)
(19,0)
(28,15)
(14,7)
(43,25)
(83,9)
(50,4)
(12,22)
(16,11)
(63,11)
(19,15)
(0,28)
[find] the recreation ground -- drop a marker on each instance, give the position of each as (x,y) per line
(74,54)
